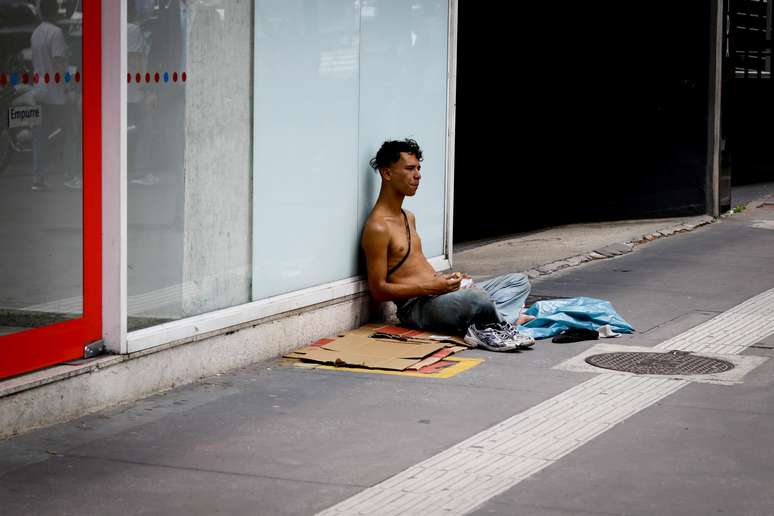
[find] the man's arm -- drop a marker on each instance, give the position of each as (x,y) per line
(376,240)
(59,52)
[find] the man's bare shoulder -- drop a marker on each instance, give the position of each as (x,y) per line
(376,225)
(375,229)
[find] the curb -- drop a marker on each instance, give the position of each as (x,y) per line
(617,249)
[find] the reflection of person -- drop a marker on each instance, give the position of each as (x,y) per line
(143,8)
(49,60)
(139,101)
(166,54)
(398,270)
(169,37)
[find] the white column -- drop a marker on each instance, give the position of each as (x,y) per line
(450,130)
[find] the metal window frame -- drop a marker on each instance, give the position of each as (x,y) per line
(114,189)
(115,217)
(451,110)
(35,348)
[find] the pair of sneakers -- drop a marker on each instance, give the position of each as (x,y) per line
(39,184)
(499,336)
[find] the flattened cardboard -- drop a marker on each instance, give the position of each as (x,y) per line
(382,348)
(438,356)
(367,352)
(444,369)
(351,359)
(411,333)
(414,349)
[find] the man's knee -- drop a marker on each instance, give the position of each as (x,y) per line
(477,304)
(517,279)
(452,312)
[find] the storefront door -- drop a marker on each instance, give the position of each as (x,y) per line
(50,166)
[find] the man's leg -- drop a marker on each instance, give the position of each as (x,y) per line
(72,158)
(450,313)
(40,149)
(509,292)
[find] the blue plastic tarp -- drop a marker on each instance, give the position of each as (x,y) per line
(556,315)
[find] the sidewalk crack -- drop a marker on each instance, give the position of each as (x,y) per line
(205,470)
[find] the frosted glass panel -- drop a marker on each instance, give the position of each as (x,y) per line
(305,145)
(403,71)
(189,158)
(333,79)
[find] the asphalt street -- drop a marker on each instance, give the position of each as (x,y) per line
(278,439)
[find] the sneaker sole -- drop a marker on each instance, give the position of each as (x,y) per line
(525,346)
(475,343)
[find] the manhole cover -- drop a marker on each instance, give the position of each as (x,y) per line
(672,363)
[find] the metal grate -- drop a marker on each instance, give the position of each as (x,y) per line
(670,363)
(748,26)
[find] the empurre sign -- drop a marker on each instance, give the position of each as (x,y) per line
(24,116)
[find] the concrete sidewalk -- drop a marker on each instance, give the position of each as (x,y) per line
(277,439)
(549,250)
(70,390)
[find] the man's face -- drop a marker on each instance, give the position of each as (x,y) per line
(404,174)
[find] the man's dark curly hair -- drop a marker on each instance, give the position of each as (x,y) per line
(49,9)
(390,151)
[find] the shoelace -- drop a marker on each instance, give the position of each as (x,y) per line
(510,332)
(496,335)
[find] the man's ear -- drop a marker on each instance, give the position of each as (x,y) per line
(386,173)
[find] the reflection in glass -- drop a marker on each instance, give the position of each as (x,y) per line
(409,39)
(188,137)
(41,258)
(306,104)
(334,79)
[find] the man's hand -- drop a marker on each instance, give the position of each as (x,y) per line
(445,283)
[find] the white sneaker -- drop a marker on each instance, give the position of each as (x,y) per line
(490,337)
(76,183)
(520,340)
(39,185)
(146,180)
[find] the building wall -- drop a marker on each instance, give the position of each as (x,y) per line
(580,112)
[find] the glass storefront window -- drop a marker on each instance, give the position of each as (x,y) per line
(403,93)
(41,138)
(250,128)
(335,79)
(306,105)
(189,110)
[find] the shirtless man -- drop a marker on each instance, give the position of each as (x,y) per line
(398,270)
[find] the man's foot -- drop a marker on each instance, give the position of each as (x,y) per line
(39,185)
(490,337)
(524,319)
(521,341)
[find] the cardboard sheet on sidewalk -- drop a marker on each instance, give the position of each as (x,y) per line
(381,347)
